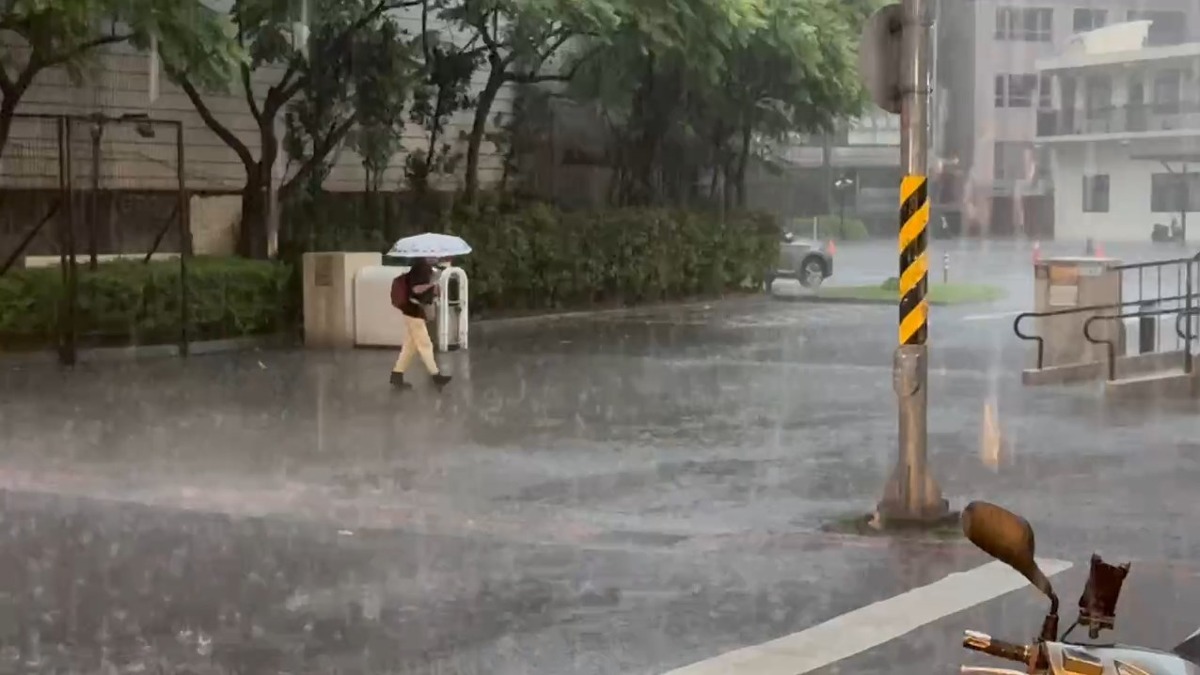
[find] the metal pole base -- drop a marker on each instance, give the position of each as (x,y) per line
(912,495)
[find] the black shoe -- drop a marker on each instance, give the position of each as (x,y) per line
(441,380)
(398,381)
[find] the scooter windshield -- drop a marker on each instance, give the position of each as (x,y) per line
(1190,648)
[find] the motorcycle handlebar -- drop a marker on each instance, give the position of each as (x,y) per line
(982,642)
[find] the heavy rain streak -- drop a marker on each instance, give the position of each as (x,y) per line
(599,337)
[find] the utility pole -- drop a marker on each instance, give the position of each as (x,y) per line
(896,64)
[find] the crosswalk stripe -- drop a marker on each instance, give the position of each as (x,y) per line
(870,626)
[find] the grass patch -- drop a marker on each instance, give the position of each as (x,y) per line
(939,294)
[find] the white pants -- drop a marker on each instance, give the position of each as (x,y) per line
(416,341)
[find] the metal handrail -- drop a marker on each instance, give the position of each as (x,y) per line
(1073,310)
(1187,340)
(1109,344)
(1179,323)
(1153,263)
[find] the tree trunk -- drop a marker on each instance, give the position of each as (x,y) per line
(252,236)
(727,171)
(255,234)
(743,160)
(483,108)
(8,108)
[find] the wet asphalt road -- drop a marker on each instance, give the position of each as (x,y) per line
(616,494)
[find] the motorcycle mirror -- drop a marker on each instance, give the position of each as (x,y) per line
(1008,538)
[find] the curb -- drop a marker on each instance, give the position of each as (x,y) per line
(139,352)
(818,300)
(502,322)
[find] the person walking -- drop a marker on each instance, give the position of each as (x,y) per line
(411,292)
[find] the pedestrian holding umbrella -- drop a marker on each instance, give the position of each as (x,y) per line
(412,292)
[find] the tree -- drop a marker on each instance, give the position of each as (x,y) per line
(308,54)
(520,42)
(389,64)
(64,33)
(691,84)
(795,73)
(445,90)
(646,79)
(358,100)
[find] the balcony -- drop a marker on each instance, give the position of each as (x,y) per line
(1128,119)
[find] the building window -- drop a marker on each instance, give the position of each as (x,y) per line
(1167,28)
(1014,160)
(1170,191)
(1046,93)
(1098,97)
(1026,24)
(1095,194)
(1089,19)
(1165,95)
(1015,91)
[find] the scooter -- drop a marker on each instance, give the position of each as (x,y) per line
(1008,538)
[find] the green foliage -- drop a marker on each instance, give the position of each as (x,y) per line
(522,41)
(65,33)
(445,90)
(129,302)
(543,258)
(325,53)
(694,86)
(537,257)
(358,97)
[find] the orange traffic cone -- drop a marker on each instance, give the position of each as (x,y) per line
(1100,251)
(1037,252)
(831,248)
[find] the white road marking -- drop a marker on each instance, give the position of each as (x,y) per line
(991,317)
(870,626)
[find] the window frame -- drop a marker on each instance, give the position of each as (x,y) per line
(1168,202)
(1167,27)
(1025,84)
(1025,24)
(1093,202)
(1046,92)
(1092,13)
(999,160)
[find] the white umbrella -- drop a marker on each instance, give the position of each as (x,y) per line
(430,245)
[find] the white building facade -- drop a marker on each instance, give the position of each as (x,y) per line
(987,57)
(1123,134)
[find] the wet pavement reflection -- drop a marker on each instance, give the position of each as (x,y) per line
(624,493)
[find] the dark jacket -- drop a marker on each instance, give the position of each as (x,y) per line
(420,274)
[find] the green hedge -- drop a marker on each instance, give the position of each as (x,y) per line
(832,227)
(530,257)
(527,258)
(543,258)
(129,302)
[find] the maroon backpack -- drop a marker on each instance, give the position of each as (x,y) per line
(400,291)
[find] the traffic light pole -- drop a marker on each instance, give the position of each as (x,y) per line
(911,494)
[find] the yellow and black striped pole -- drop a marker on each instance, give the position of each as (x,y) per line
(914,263)
(912,494)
